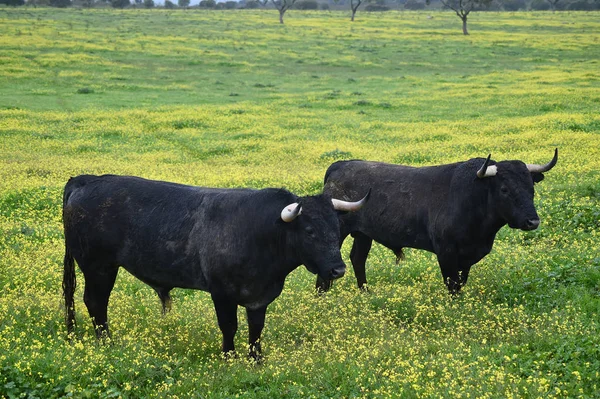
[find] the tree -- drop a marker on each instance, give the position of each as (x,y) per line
(183,3)
(462,8)
(149,3)
(282,6)
(169,5)
(354,4)
(208,4)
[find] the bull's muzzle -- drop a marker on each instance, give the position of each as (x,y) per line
(337,272)
(531,224)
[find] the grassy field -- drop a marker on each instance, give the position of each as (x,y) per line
(235,99)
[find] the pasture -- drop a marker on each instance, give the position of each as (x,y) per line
(234,99)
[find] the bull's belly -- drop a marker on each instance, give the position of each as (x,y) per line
(168,275)
(396,242)
(252,293)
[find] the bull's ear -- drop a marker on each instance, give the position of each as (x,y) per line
(537,177)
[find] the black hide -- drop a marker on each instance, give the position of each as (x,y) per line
(229,242)
(443,209)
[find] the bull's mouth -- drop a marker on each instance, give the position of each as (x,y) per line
(528,225)
(329,274)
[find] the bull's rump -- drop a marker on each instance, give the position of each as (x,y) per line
(165,234)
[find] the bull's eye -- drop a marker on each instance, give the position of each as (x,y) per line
(504,190)
(309,230)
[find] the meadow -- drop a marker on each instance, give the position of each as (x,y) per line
(234,99)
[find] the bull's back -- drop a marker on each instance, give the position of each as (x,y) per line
(403,205)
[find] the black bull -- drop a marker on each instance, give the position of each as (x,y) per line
(451,210)
(237,244)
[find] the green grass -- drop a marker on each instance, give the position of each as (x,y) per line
(234,99)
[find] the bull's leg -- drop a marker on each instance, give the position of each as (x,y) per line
(323,285)
(165,298)
(227,319)
(256,322)
(358,255)
(99,282)
(454,274)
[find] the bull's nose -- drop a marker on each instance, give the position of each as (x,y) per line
(337,272)
(532,224)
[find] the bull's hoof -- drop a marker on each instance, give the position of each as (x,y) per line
(229,355)
(255,358)
(364,288)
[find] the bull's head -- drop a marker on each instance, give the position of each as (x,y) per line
(315,228)
(512,189)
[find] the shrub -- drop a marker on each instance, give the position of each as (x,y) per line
(230,5)
(514,5)
(149,3)
(325,6)
(307,5)
(252,4)
(120,3)
(169,5)
(13,2)
(183,3)
(85,90)
(539,5)
(208,4)
(414,5)
(376,7)
(581,5)
(60,3)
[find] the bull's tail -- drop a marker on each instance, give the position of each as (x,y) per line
(68,285)
(69,281)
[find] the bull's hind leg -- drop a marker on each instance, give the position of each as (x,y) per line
(99,282)
(358,256)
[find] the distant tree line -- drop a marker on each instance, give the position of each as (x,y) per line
(462,8)
(369,5)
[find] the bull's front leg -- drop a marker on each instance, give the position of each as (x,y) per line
(256,323)
(454,273)
(227,319)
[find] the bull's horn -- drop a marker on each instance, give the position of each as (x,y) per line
(291,212)
(340,205)
(533,168)
(487,171)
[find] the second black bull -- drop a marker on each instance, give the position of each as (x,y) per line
(452,210)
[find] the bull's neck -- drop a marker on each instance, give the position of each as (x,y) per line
(478,213)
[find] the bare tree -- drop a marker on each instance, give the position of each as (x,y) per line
(462,8)
(354,4)
(282,6)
